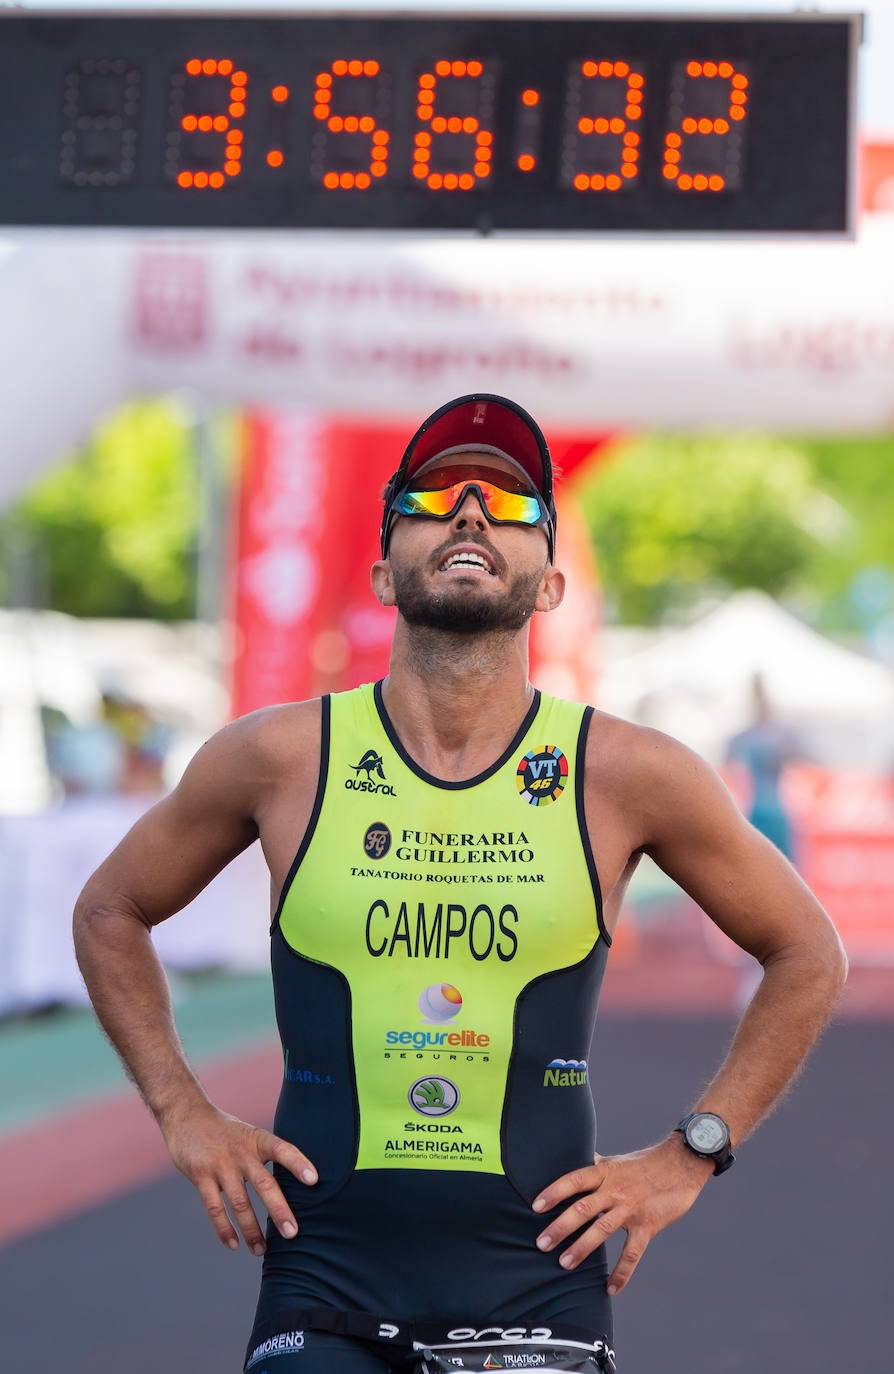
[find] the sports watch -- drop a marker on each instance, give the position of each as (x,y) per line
(707,1135)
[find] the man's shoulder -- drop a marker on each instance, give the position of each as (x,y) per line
(276,738)
(630,755)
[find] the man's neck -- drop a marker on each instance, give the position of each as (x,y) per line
(457,700)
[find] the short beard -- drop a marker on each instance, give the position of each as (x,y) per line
(457,610)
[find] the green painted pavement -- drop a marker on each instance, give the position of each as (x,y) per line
(60,1059)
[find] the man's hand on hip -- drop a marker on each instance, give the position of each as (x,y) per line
(639,1193)
(219,1154)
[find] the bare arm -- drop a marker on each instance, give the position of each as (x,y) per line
(162,863)
(685,819)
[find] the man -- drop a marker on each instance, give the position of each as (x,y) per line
(439,937)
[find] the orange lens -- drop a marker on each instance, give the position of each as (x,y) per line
(500,505)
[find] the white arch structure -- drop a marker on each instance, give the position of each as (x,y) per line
(795,335)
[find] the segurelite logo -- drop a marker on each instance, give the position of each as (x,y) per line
(440,1002)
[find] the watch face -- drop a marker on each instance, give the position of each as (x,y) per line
(707,1133)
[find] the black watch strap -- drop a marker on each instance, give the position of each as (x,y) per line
(723,1156)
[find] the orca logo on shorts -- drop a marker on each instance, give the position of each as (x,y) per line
(377,840)
(541,775)
(433,1096)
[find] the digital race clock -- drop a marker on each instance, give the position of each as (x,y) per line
(438,122)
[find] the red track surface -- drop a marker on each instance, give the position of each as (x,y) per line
(45,1193)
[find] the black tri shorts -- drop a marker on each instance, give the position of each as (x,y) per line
(326,1341)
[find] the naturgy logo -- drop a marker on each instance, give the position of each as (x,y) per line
(566,1073)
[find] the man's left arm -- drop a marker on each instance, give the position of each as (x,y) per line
(691,827)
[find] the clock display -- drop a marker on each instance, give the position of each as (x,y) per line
(481,123)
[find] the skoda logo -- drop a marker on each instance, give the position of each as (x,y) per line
(433,1096)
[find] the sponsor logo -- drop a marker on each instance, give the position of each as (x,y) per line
(440,1002)
(455,848)
(293,1074)
(284,1344)
(532,1359)
(471,1150)
(433,1096)
(500,1333)
(377,840)
(466,1149)
(541,775)
(566,1073)
(435,1040)
(371,764)
(419,930)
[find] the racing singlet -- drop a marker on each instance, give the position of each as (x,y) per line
(437,955)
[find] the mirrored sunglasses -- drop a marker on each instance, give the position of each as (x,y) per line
(502,498)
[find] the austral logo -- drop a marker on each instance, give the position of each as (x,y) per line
(372,765)
(377,840)
(541,775)
(566,1073)
(433,1096)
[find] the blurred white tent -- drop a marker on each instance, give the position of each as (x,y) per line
(696,683)
(50,660)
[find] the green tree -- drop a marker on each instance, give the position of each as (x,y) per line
(857,472)
(674,515)
(113,531)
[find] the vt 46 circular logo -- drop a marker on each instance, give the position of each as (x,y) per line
(541,774)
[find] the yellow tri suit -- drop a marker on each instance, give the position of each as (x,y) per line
(437,956)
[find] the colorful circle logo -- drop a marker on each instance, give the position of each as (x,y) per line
(433,1096)
(440,1002)
(541,775)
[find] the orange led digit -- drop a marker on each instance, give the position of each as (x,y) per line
(463,91)
(708,106)
(601,149)
(222,86)
(352,84)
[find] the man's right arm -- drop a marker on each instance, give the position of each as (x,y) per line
(162,863)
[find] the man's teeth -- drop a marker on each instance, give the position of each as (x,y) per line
(474,560)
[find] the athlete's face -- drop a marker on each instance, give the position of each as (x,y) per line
(466,574)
